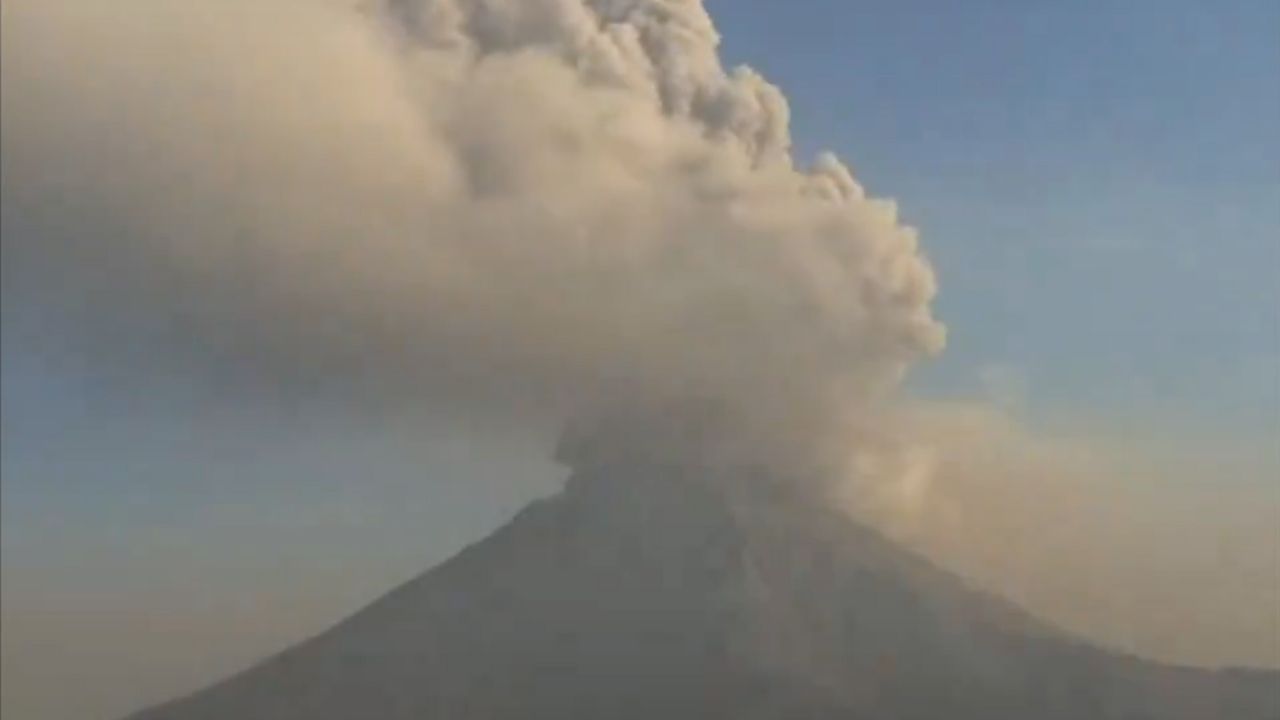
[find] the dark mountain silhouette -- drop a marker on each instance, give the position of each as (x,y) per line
(651,590)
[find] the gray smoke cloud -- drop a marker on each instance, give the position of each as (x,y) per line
(569,204)
(1166,546)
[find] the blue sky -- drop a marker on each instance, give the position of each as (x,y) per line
(1097,183)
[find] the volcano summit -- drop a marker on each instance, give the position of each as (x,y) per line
(652,588)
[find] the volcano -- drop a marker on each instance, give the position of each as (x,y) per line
(652,589)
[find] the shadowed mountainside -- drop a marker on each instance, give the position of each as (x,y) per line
(647,590)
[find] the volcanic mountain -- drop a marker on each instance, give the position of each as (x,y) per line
(662,590)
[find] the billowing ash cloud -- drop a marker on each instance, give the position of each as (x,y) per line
(564,203)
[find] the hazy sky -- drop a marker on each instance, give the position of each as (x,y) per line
(1097,184)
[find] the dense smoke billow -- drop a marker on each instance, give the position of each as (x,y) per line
(561,203)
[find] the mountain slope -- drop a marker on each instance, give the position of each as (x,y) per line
(649,591)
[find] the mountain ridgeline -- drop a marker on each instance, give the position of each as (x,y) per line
(653,590)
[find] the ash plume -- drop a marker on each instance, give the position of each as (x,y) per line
(560,204)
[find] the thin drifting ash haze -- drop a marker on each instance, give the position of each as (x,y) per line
(567,203)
